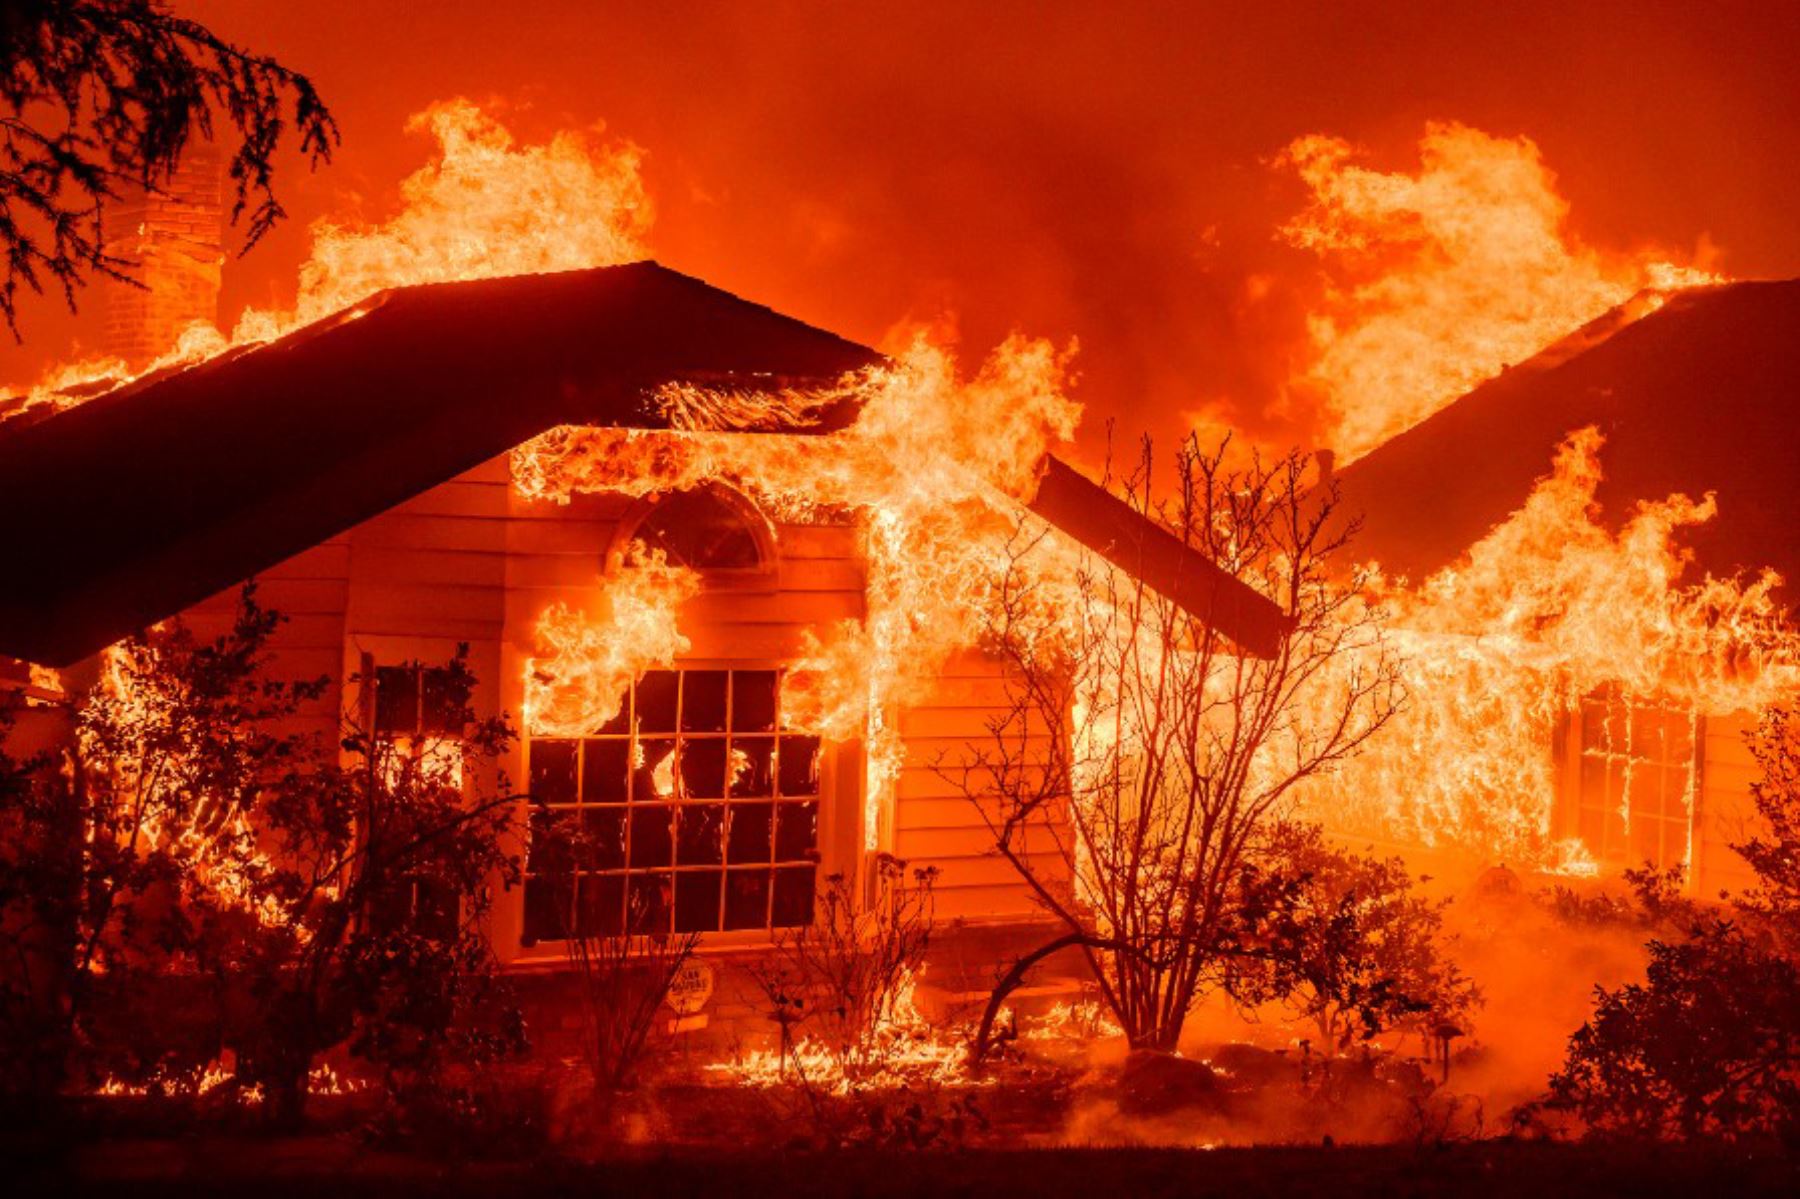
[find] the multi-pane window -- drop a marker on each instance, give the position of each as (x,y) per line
(1637,776)
(414,702)
(693,810)
(418,713)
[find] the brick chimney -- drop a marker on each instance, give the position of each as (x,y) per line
(174,242)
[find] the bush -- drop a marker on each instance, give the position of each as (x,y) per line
(1354,950)
(1708,1045)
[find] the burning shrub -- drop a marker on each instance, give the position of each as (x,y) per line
(866,1065)
(1140,757)
(1709,1044)
(846,978)
(223,888)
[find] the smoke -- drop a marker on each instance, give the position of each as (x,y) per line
(1094,172)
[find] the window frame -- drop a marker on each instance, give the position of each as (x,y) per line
(1572,800)
(763,577)
(837,825)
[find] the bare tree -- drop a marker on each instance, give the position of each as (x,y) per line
(1140,756)
(104,94)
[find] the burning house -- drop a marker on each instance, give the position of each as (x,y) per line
(635,499)
(1596,637)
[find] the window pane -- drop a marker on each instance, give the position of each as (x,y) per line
(753,701)
(746,899)
(703,701)
(656,696)
(605,771)
(793,897)
(749,838)
(1646,842)
(700,835)
(796,832)
(441,710)
(552,848)
(547,902)
(753,766)
(601,910)
(397,700)
(553,771)
(697,900)
(703,769)
(799,765)
(1594,730)
(603,837)
(649,899)
(620,724)
(699,529)
(652,837)
(653,780)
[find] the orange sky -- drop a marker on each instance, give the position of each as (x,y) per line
(1068,170)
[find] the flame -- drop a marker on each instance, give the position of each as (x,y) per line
(931,469)
(1547,607)
(485,206)
(1441,278)
(587,661)
(905,1050)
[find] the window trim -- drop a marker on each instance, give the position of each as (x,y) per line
(1567,768)
(764,577)
(839,827)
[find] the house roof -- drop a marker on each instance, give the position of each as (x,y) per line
(1700,396)
(140,502)
(145,500)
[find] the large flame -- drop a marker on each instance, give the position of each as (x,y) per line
(1440,278)
(485,206)
(587,661)
(932,469)
(1544,609)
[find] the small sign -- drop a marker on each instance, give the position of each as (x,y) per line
(691,987)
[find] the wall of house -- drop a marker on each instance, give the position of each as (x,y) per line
(471,562)
(934,823)
(1724,814)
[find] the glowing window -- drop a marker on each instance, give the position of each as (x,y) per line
(692,811)
(705,529)
(1636,774)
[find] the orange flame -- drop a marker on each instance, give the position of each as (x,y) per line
(485,206)
(1439,279)
(587,662)
(930,468)
(1544,609)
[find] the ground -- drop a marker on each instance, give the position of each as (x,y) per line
(338,1168)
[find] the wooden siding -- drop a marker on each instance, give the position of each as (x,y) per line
(934,823)
(1724,814)
(471,562)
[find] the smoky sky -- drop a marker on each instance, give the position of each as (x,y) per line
(1092,171)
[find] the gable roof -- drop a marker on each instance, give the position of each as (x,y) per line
(1700,396)
(142,501)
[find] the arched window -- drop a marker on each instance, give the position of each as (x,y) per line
(711,529)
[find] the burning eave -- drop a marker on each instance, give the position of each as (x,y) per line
(140,502)
(1111,528)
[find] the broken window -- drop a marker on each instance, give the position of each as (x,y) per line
(1634,774)
(693,810)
